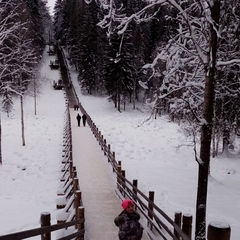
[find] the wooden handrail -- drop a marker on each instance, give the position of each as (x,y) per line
(39,231)
(127,188)
(122,180)
(122,183)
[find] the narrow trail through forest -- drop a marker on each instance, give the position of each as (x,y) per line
(96,180)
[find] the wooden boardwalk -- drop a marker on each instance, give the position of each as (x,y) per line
(97,183)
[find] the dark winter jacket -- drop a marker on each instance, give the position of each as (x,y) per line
(84,117)
(129,226)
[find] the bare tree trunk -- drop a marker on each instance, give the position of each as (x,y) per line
(134,94)
(214,130)
(213,143)
(22,120)
(0,141)
(226,136)
(118,100)
(115,101)
(206,131)
(35,96)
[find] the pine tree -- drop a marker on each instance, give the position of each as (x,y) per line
(91,47)
(227,103)
(119,70)
(35,25)
(7,103)
(58,21)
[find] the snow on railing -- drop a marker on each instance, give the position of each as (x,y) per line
(69,196)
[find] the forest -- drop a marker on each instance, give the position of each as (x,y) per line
(180,58)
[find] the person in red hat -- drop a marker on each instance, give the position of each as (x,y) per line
(128,222)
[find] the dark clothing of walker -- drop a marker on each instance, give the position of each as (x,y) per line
(129,226)
(75,107)
(78,119)
(84,118)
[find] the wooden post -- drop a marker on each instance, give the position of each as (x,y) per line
(74,172)
(45,221)
(119,172)
(95,130)
(113,160)
(70,139)
(218,231)
(123,176)
(187,225)
(150,206)
(102,147)
(109,151)
(97,133)
(105,147)
(77,201)
(99,137)
(178,221)
(80,215)
(75,185)
(71,168)
(135,184)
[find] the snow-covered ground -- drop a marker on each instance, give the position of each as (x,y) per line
(29,175)
(155,152)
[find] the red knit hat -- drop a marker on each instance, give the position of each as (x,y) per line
(126,202)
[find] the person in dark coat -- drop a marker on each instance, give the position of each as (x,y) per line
(78,119)
(75,107)
(128,222)
(84,118)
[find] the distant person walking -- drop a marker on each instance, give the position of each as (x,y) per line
(75,107)
(128,222)
(78,119)
(84,118)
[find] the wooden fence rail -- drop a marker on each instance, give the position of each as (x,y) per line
(154,215)
(69,198)
(44,230)
(157,220)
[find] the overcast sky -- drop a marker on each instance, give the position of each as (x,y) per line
(51,5)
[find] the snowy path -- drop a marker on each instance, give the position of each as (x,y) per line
(96,182)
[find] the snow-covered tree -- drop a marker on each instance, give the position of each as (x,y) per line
(119,70)
(8,26)
(58,20)
(227,102)
(7,102)
(20,47)
(190,61)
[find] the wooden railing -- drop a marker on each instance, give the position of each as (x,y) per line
(69,196)
(159,223)
(70,216)
(45,231)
